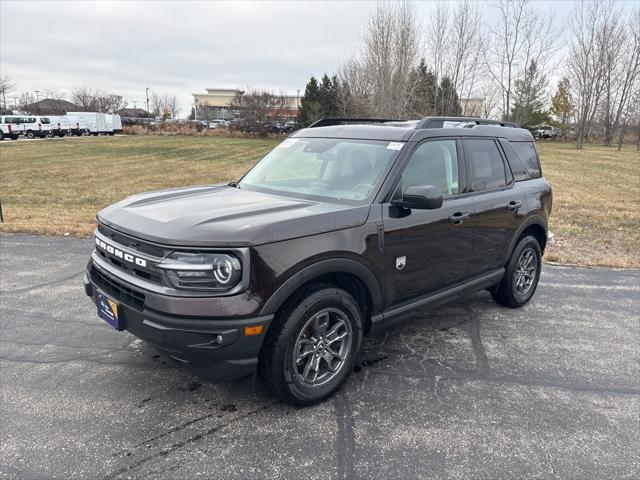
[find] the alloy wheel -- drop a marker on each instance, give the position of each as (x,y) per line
(526,271)
(322,347)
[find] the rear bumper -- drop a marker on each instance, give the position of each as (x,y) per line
(213,348)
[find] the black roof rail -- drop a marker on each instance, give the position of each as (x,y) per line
(329,122)
(438,122)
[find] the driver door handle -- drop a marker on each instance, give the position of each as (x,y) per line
(514,204)
(459,217)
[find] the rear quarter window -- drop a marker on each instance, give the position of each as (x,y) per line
(529,156)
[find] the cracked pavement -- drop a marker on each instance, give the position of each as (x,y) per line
(470,390)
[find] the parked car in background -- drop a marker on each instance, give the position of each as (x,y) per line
(37,126)
(546,131)
(77,124)
(60,126)
(10,127)
(218,123)
(290,126)
(96,122)
(113,123)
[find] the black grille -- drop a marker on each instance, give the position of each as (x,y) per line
(116,290)
(131,242)
(138,272)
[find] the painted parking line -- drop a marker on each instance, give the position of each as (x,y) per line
(594,287)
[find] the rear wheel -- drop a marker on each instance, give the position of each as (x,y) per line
(522,274)
(14,137)
(30,134)
(311,347)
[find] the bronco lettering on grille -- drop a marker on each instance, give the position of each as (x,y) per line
(127,257)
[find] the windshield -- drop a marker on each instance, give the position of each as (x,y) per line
(330,168)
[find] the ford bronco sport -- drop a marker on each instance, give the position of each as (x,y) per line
(340,231)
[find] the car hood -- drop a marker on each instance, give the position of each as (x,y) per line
(220,215)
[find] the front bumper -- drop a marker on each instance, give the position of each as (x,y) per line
(216,349)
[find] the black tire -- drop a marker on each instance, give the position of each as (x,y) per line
(1,136)
(277,368)
(14,137)
(30,134)
(515,289)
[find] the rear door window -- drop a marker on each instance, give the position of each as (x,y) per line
(527,153)
(486,168)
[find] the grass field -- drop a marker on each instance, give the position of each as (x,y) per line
(57,186)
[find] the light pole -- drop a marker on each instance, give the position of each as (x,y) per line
(148,111)
(38,100)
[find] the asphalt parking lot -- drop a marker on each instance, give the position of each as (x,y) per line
(469,391)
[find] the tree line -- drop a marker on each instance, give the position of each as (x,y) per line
(87,99)
(459,63)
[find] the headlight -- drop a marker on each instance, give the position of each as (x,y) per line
(202,271)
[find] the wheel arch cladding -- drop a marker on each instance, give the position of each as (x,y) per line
(534,226)
(350,275)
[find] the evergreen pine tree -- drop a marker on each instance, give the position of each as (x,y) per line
(528,106)
(310,104)
(423,102)
(448,101)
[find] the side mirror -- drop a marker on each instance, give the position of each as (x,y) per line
(421,197)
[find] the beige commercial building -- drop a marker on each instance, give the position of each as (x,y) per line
(215,104)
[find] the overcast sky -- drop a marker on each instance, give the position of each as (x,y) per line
(183,47)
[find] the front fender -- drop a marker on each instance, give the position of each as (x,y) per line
(323,267)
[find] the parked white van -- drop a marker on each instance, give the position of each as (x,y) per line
(10,127)
(95,121)
(60,126)
(113,123)
(77,124)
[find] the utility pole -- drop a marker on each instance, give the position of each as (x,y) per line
(148,111)
(37,100)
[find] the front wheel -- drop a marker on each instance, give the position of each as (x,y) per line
(522,274)
(312,346)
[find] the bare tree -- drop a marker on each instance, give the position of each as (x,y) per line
(257,108)
(25,100)
(90,100)
(456,43)
(163,105)
(381,72)
(6,87)
(587,61)
(521,35)
(54,93)
(172,106)
(83,97)
(621,46)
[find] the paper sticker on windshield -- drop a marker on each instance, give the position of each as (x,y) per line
(395,146)
(287,143)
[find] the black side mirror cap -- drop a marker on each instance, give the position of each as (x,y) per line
(421,197)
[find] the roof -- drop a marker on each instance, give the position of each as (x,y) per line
(364,132)
(50,104)
(429,127)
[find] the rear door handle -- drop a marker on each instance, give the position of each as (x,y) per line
(459,217)
(514,204)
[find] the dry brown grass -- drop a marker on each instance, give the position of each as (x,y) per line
(596,204)
(57,186)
